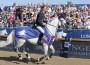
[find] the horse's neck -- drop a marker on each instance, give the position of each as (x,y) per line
(52,26)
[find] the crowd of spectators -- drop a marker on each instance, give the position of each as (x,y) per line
(70,16)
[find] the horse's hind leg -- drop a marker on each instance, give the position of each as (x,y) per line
(24,51)
(19,54)
(19,43)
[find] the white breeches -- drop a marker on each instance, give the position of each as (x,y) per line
(40,29)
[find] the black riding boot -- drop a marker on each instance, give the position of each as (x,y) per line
(40,38)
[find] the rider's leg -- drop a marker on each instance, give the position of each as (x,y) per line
(41,34)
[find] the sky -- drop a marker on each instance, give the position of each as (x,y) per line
(25,2)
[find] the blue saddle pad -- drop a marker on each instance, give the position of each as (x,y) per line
(27,32)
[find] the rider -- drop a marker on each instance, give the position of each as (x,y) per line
(40,22)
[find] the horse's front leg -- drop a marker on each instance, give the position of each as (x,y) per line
(45,48)
(46,51)
(52,51)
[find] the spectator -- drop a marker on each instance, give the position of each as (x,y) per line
(34,17)
(11,20)
(84,13)
(18,12)
(87,23)
(71,14)
(78,23)
(89,11)
(17,22)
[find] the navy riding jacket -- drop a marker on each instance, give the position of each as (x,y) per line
(40,18)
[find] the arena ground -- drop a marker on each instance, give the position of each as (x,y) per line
(10,58)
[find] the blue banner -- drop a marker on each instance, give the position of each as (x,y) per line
(78,33)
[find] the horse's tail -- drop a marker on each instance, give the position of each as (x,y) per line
(9,40)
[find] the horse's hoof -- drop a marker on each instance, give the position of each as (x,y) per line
(38,59)
(43,63)
(20,59)
(50,56)
(28,59)
(47,58)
